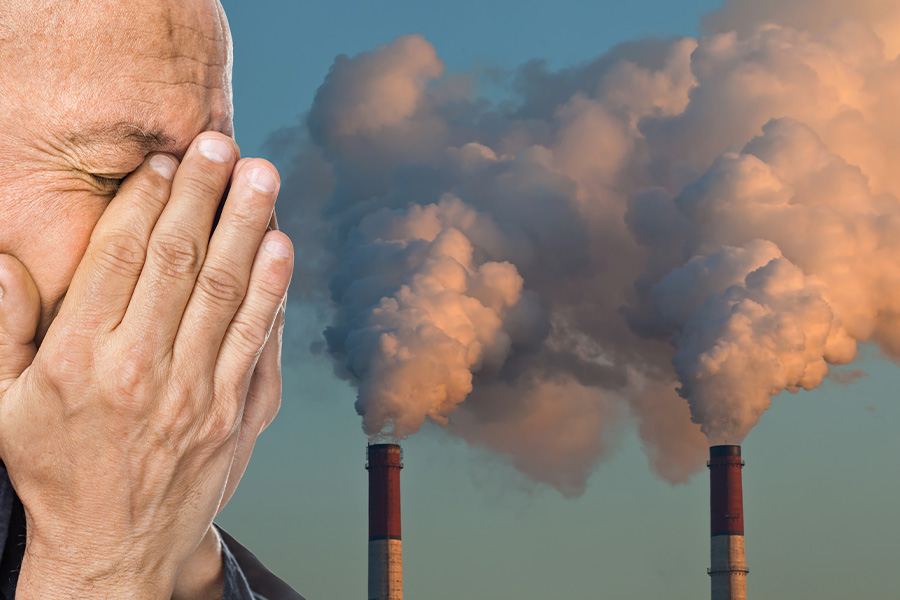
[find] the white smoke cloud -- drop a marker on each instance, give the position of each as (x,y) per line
(672,234)
(774,330)
(414,349)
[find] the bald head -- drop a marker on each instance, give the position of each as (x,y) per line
(116,23)
(96,52)
(87,89)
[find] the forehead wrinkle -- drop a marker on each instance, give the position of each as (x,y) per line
(190,58)
(180,69)
(167,36)
(199,32)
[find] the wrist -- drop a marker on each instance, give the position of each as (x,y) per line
(49,573)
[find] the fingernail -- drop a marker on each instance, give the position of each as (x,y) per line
(262,180)
(278,249)
(215,150)
(164,165)
(1,292)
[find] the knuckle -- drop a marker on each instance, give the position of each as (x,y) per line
(178,253)
(119,251)
(147,193)
(245,218)
(250,334)
(272,290)
(132,381)
(222,422)
(221,284)
(181,413)
(205,184)
(62,368)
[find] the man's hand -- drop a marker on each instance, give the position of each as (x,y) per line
(120,434)
(202,574)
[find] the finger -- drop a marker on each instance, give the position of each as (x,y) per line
(20,309)
(249,330)
(243,450)
(177,245)
(264,395)
(263,402)
(225,274)
(104,281)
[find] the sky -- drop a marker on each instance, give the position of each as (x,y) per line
(821,477)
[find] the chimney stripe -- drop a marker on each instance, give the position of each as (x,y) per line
(728,570)
(384,462)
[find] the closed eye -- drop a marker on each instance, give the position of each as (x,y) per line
(108,184)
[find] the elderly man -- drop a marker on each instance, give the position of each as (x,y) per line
(136,362)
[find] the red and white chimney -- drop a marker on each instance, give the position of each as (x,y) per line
(384,462)
(728,570)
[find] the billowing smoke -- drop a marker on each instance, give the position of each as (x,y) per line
(668,235)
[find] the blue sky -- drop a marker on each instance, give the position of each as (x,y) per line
(821,480)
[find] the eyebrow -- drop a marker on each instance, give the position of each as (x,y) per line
(125,134)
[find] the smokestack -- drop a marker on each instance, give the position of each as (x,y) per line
(726,506)
(384,462)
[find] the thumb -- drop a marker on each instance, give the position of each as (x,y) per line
(20,311)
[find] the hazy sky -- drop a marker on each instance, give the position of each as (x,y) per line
(821,480)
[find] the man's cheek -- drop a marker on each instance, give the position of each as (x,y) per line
(52,248)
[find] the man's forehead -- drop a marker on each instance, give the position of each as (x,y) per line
(61,36)
(23,16)
(148,82)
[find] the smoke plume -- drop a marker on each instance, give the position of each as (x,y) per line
(669,235)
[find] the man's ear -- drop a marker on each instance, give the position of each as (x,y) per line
(20,311)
